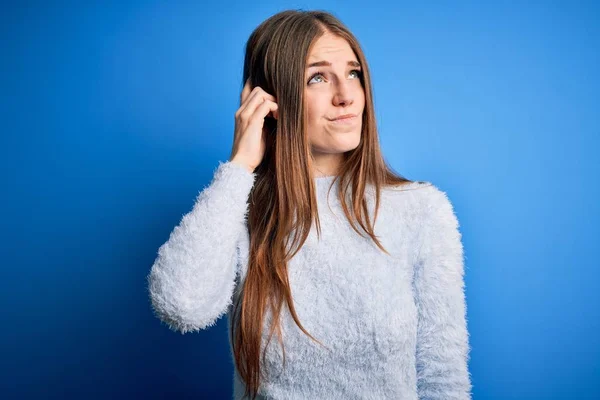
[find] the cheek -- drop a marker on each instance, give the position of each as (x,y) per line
(361,96)
(314,110)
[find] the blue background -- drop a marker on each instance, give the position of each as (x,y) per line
(115,116)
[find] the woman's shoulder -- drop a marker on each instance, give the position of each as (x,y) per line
(426,196)
(419,190)
(409,185)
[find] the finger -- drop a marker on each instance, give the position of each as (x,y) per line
(260,93)
(249,91)
(274,114)
(264,109)
(256,98)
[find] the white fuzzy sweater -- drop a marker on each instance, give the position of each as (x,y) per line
(395,326)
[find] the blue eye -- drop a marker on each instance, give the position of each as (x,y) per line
(319,73)
(313,76)
(358,71)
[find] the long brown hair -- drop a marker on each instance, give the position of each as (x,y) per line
(283,198)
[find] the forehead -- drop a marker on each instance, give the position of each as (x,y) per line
(330,47)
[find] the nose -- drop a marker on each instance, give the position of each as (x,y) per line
(343,94)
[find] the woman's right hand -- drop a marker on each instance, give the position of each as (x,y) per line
(249,143)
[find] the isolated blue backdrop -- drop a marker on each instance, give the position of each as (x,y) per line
(115,116)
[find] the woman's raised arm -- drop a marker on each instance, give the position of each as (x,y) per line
(192,279)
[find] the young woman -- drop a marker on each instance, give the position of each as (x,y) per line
(364,289)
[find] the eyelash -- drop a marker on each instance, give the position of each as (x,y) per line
(358,73)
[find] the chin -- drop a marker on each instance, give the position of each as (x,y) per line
(346,147)
(351,143)
(339,143)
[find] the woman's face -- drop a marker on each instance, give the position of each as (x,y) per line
(333,88)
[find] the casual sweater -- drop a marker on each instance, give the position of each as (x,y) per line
(394,325)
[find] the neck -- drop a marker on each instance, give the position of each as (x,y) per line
(326,165)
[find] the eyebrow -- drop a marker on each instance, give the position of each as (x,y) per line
(328,64)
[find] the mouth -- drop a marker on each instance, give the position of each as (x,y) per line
(341,118)
(344,119)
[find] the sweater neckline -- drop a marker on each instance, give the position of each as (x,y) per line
(326,180)
(325,177)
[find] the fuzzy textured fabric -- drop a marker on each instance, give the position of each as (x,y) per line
(395,326)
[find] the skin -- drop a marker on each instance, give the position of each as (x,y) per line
(337,91)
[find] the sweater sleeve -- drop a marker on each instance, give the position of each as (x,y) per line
(192,279)
(442,338)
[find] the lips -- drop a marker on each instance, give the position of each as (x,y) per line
(344,123)
(342,117)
